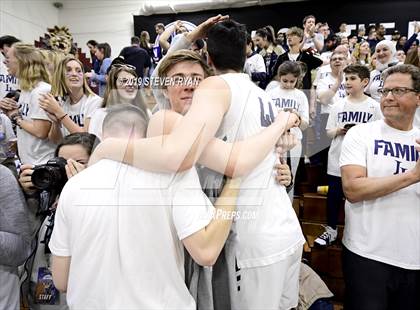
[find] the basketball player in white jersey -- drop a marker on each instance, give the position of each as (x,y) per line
(266,243)
(264,252)
(116,225)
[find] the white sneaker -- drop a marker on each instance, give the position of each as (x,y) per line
(327,237)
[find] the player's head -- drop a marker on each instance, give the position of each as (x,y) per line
(184,70)
(125,121)
(226,45)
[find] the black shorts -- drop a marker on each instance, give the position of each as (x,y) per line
(373,285)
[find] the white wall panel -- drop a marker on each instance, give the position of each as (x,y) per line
(27,20)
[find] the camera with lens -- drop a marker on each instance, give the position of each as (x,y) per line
(13,94)
(50,176)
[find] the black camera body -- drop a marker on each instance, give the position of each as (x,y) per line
(13,94)
(51,176)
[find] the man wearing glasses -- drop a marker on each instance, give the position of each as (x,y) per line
(380,170)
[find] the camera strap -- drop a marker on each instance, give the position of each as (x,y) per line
(48,232)
(44,203)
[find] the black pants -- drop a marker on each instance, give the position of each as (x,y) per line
(334,200)
(323,142)
(372,285)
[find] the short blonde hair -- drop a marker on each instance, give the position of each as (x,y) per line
(59,87)
(295,31)
(171,60)
(31,66)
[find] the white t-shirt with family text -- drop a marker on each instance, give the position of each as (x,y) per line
(348,112)
(291,99)
(385,229)
(375,83)
(7,81)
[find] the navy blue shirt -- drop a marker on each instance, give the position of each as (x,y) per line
(137,57)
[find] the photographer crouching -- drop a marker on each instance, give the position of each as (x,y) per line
(42,185)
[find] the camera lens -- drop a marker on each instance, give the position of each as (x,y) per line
(51,176)
(46,177)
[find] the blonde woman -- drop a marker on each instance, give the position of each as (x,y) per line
(122,87)
(52,59)
(361,54)
(71,102)
(33,124)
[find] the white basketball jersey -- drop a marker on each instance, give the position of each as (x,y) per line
(267,228)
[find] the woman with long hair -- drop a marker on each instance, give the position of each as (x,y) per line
(71,102)
(122,87)
(361,54)
(401,42)
(413,57)
(103,54)
(33,124)
(254,64)
(145,44)
(268,50)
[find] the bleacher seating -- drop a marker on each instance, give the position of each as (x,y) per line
(311,209)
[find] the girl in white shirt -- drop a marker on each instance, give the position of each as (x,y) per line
(26,62)
(71,102)
(286,97)
(122,87)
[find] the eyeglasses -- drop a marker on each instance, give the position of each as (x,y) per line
(124,66)
(396,92)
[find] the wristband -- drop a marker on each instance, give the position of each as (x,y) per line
(15,117)
(61,118)
(290,186)
(19,119)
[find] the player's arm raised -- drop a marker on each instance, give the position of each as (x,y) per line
(181,149)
